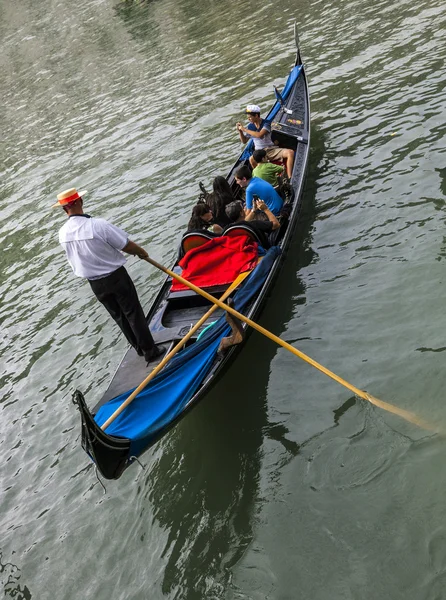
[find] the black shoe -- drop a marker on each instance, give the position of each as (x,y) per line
(155,353)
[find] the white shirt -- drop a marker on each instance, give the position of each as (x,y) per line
(93,246)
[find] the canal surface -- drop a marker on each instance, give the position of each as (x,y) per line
(280,484)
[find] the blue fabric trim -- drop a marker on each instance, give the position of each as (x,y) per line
(169,392)
(249,149)
(292,77)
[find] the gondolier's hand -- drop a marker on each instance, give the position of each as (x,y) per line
(135,250)
(240,127)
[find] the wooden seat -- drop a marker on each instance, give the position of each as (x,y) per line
(242,229)
(194,239)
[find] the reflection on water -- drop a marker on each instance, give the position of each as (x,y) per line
(442,173)
(10,584)
(204,487)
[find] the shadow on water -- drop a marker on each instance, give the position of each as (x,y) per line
(147,19)
(205,484)
(289,291)
(205,487)
(10,584)
(134,13)
(442,173)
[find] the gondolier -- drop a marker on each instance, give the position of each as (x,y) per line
(94,250)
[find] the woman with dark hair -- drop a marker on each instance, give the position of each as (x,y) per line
(219,198)
(202,218)
(222,188)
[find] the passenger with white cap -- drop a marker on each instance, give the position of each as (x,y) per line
(94,250)
(260,131)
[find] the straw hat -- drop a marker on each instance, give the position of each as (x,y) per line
(68,196)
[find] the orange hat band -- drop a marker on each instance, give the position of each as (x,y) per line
(68,196)
(69,199)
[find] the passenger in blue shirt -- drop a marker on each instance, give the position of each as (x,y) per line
(255,186)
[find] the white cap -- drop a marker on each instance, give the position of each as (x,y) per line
(253,108)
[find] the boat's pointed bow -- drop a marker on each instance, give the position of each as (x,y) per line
(110,454)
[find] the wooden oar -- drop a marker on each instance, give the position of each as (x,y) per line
(405,414)
(174,350)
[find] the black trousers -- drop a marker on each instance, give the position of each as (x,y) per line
(118,294)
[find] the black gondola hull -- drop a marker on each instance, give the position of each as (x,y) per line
(171,314)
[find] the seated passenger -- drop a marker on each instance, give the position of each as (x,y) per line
(260,131)
(266,170)
(236,214)
(260,188)
(219,198)
(202,218)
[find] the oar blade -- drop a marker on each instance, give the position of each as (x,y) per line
(407,415)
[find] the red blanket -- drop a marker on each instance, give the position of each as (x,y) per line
(217,262)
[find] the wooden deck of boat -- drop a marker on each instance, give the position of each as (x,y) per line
(133,369)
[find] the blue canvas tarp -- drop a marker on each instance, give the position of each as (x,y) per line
(169,392)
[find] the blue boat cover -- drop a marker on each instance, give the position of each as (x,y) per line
(292,77)
(168,393)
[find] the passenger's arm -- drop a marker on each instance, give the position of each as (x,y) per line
(250,214)
(256,134)
(249,200)
(242,136)
(272,218)
(135,250)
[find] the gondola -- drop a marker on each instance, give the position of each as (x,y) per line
(188,376)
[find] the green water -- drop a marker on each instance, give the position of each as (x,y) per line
(279,485)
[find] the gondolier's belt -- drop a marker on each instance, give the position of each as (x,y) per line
(107,275)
